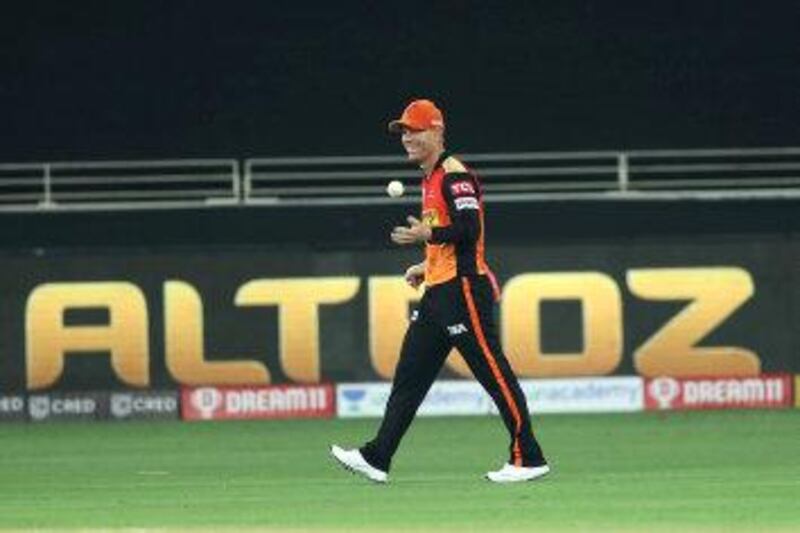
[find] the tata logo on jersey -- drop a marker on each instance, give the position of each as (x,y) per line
(709,296)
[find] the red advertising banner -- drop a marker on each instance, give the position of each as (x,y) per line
(250,402)
(766,391)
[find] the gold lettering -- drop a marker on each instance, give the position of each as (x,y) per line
(601,305)
(125,337)
(796,389)
(298,302)
(715,293)
(184,347)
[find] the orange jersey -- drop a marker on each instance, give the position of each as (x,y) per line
(452,205)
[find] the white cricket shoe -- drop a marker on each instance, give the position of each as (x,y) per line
(512,474)
(353,461)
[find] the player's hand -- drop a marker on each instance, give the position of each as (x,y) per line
(415,275)
(416,232)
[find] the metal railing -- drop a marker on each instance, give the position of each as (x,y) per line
(119,184)
(276,180)
(759,168)
(641,174)
(597,175)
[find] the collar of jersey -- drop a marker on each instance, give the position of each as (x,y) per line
(439,163)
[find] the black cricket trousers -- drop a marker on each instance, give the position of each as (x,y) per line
(458,313)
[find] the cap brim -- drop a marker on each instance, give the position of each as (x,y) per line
(396,126)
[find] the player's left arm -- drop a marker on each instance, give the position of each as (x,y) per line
(460,191)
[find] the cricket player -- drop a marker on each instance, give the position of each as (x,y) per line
(456,310)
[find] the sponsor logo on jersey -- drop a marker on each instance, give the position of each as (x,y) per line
(431,218)
(456,329)
(466,203)
(462,188)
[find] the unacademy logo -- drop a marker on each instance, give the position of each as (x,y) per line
(354,399)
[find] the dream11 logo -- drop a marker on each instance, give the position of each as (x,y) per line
(207,400)
(664,391)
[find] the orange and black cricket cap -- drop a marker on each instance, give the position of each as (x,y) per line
(418,115)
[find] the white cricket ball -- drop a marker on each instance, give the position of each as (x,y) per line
(395,188)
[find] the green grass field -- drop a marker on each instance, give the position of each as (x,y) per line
(712,471)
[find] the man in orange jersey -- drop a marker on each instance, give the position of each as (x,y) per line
(456,310)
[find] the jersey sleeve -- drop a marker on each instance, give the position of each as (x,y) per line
(461,193)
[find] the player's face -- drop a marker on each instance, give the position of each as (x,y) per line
(421,145)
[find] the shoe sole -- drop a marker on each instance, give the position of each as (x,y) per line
(352,470)
(534,478)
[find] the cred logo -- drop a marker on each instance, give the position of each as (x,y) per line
(125,405)
(39,407)
(45,407)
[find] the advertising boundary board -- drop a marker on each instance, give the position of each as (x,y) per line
(762,392)
(254,402)
(449,398)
